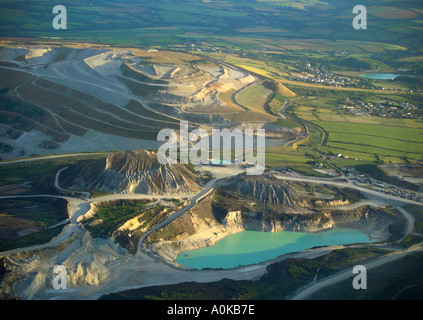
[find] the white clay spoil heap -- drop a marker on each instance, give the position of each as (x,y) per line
(136,171)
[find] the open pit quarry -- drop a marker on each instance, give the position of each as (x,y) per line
(97,251)
(74,98)
(93,98)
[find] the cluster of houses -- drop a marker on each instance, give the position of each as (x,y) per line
(381,109)
(315,75)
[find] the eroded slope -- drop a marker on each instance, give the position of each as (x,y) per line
(136,171)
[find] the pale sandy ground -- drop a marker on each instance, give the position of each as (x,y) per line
(221,172)
(144,271)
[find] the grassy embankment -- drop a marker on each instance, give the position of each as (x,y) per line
(417,235)
(40,214)
(30,221)
(110,216)
(40,173)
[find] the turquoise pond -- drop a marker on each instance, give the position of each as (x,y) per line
(249,247)
(380,76)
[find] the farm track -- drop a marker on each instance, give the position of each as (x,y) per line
(322,135)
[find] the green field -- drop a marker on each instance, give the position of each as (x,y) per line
(293,28)
(40,172)
(109,220)
(294,160)
(254,97)
(363,141)
(287,123)
(226,98)
(30,221)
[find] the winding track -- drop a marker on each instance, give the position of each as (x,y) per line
(195,198)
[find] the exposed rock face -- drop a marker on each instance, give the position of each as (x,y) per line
(364,219)
(89,263)
(136,171)
(262,203)
(333,203)
(205,231)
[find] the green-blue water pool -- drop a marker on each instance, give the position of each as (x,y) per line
(249,247)
(381,76)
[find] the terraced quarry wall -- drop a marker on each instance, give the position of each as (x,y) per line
(59,99)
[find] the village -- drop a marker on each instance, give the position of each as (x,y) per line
(315,75)
(381,109)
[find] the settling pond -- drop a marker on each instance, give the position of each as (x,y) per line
(249,247)
(380,76)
